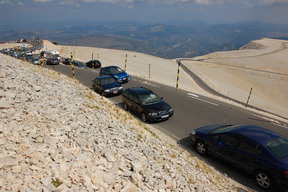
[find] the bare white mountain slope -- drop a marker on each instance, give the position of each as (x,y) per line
(58,135)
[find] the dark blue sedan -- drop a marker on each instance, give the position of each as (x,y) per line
(256,150)
(107,86)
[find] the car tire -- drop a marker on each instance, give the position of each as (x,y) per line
(143,117)
(263,179)
(102,93)
(201,147)
(125,106)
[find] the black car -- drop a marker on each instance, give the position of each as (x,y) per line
(93,64)
(146,104)
(258,151)
(66,61)
(52,61)
(107,86)
(79,64)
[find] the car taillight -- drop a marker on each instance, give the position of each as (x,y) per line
(285,174)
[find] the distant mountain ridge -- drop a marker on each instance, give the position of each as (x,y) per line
(167,41)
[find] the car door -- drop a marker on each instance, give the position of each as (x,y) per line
(97,85)
(249,155)
(135,103)
(227,146)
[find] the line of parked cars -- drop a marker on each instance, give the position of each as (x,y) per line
(139,100)
(258,151)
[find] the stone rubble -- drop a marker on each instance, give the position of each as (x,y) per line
(57,135)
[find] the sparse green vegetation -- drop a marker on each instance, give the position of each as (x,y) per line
(56,182)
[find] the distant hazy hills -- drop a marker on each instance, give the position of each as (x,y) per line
(167,41)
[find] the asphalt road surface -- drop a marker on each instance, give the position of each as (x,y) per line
(190,112)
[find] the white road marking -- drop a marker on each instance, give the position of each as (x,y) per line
(271,120)
(193,95)
(196,97)
(279,125)
(148,83)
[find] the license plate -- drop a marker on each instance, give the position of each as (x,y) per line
(164,116)
(115,91)
(124,79)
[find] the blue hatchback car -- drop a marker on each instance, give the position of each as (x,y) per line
(256,150)
(120,75)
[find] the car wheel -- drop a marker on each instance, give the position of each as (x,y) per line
(143,117)
(102,93)
(125,106)
(201,147)
(263,179)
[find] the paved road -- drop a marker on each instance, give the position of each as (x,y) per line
(191,111)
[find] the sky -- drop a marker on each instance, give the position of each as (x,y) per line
(148,11)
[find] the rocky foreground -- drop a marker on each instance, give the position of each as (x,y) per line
(57,135)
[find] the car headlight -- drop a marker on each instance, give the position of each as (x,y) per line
(153,114)
(117,77)
(171,110)
(107,90)
(193,132)
(120,87)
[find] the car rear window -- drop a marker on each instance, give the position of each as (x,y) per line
(279,146)
(107,81)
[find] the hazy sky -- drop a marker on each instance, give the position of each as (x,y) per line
(152,11)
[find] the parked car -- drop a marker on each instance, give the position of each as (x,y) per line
(33,60)
(258,151)
(52,61)
(146,104)
(66,61)
(79,64)
(120,75)
(107,86)
(93,64)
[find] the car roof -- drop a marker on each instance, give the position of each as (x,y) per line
(256,133)
(140,90)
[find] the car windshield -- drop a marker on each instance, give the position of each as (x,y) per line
(107,81)
(149,98)
(116,70)
(279,146)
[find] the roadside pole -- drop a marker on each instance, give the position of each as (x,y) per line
(125,62)
(178,74)
(73,67)
(249,96)
(149,70)
(93,67)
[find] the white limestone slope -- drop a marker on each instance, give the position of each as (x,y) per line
(57,135)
